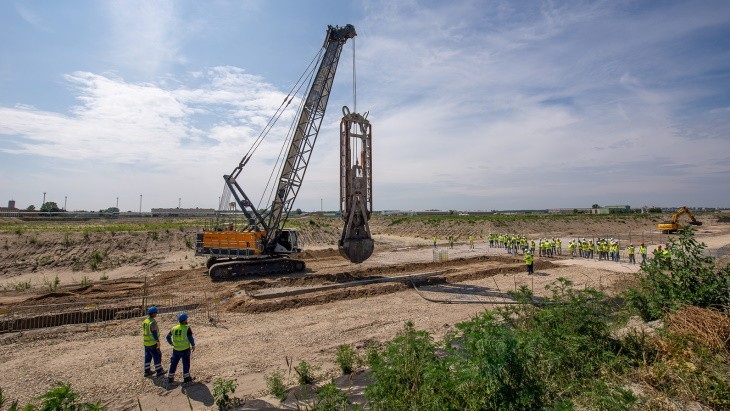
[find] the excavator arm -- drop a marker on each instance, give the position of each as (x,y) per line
(674,225)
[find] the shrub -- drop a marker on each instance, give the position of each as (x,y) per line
(60,397)
(85,281)
(346,358)
(52,284)
(305,373)
(96,258)
(275,384)
(221,390)
(690,278)
(154,235)
(330,398)
(515,358)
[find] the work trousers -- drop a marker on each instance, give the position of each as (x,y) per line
(152,354)
(632,259)
(530,268)
(176,357)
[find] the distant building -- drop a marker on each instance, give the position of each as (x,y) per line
(613,209)
(10,210)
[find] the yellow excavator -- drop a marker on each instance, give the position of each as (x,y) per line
(669,227)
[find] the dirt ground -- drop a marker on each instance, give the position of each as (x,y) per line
(258,331)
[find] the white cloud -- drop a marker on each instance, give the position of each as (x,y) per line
(145,36)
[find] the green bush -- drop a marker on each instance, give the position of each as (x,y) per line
(221,390)
(275,384)
(60,397)
(690,278)
(346,358)
(305,373)
(330,398)
(517,358)
(96,258)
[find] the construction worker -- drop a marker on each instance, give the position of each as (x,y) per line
(529,260)
(631,250)
(642,251)
(667,258)
(471,242)
(451,241)
(183,343)
(151,341)
(434,241)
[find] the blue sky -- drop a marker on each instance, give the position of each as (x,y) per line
(475,105)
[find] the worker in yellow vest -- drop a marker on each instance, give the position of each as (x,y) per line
(630,251)
(529,260)
(642,251)
(151,341)
(183,343)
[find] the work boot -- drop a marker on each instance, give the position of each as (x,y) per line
(188,379)
(147,373)
(170,379)
(160,373)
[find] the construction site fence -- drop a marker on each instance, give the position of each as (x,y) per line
(200,309)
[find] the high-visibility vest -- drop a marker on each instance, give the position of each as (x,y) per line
(528,259)
(147,337)
(642,249)
(180,340)
(631,250)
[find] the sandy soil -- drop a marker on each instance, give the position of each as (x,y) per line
(103,361)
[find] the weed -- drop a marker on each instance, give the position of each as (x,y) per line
(21,285)
(33,240)
(305,373)
(52,284)
(44,260)
(221,390)
(66,240)
(85,281)
(87,235)
(275,384)
(61,397)
(96,258)
(330,398)
(154,236)
(104,277)
(19,231)
(346,358)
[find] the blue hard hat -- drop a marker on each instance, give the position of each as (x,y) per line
(152,310)
(182,317)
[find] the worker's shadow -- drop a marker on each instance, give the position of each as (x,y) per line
(199,392)
(196,391)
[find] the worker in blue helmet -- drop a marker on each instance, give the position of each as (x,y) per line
(183,343)
(151,341)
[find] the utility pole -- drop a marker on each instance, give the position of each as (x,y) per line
(44,199)
(179,199)
(117,203)
(321,204)
(140,203)
(65,198)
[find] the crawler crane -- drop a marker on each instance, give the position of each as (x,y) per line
(262,245)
